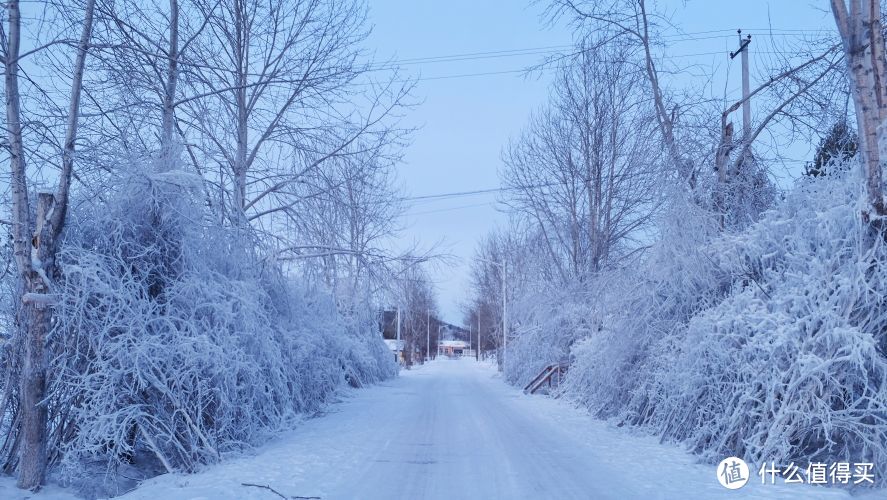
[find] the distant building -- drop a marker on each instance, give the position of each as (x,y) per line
(454,348)
(452,338)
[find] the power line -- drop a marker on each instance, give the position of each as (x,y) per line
(450,209)
(551,49)
(754,33)
(459,194)
(468,58)
(481,55)
(518,52)
(454,194)
(467,75)
(547,68)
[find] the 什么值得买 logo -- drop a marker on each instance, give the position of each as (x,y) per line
(732,473)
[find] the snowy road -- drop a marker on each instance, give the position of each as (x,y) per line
(454,430)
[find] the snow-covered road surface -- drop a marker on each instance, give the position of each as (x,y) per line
(453,430)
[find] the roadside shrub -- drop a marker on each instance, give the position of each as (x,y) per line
(177,342)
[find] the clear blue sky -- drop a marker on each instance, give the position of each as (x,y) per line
(466,120)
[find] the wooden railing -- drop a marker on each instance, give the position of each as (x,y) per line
(554,371)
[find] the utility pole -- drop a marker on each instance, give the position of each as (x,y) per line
(428,336)
(478,334)
(746,87)
(397,342)
(504,315)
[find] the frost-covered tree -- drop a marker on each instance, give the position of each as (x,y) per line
(833,151)
(511,261)
(496,250)
(765,340)
(277,89)
(414,296)
(585,171)
(147,330)
(795,88)
(349,209)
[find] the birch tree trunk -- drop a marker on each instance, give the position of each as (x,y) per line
(241,56)
(20,203)
(167,126)
(32,447)
(35,256)
(860,30)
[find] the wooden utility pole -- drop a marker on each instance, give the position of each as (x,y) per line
(746,86)
(478,334)
(397,342)
(504,315)
(725,147)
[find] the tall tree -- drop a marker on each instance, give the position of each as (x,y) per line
(35,243)
(631,21)
(348,208)
(275,93)
(586,169)
(414,294)
(790,92)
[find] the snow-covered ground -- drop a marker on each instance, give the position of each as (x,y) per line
(453,429)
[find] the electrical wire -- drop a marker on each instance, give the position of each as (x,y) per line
(450,209)
(552,49)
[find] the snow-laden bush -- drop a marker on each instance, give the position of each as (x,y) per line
(643,309)
(768,343)
(788,366)
(177,341)
(548,327)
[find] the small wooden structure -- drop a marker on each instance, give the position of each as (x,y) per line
(551,373)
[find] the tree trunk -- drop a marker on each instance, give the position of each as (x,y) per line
(240,50)
(32,417)
(167,126)
(35,257)
(20,203)
(665,120)
(860,30)
(37,318)
(32,389)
